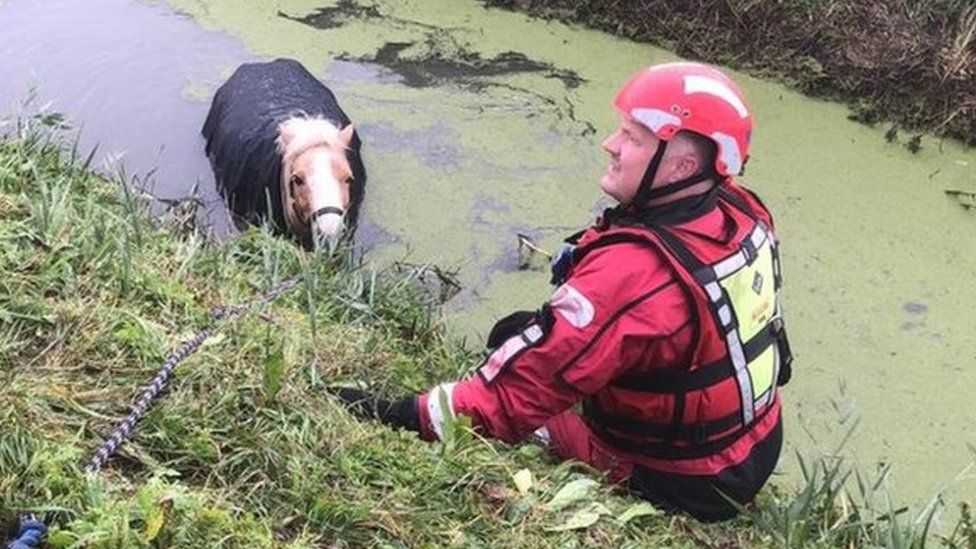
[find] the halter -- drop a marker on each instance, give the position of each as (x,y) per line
(327,210)
(286,195)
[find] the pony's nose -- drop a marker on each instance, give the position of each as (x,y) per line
(329,224)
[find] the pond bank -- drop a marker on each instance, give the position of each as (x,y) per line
(911,65)
(489,125)
(246,448)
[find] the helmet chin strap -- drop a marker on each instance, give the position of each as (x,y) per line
(646,192)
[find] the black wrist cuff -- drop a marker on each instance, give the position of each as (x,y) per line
(402,413)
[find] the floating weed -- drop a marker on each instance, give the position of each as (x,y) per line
(963,536)
(914,66)
(246,448)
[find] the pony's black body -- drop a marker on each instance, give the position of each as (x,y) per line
(241,129)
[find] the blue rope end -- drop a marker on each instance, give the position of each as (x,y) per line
(32,532)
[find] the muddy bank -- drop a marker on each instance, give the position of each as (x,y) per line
(910,65)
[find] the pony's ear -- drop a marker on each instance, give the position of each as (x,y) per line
(345,135)
(286,133)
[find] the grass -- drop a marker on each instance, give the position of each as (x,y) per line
(907,63)
(245,448)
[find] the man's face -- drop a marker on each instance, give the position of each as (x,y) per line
(630,148)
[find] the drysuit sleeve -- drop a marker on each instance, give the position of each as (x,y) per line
(618,303)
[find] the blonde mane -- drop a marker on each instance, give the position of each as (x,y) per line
(301,132)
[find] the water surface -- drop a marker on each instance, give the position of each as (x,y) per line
(480,124)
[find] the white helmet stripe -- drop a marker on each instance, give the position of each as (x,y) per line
(711,86)
(655,119)
(728,152)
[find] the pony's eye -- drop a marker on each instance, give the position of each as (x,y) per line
(296,181)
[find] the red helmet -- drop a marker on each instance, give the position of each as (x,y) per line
(694,97)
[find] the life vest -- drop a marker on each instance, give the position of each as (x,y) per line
(740,355)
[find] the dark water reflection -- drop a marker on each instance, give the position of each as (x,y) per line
(125,74)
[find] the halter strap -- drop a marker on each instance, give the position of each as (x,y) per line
(327,210)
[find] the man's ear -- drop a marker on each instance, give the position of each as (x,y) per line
(345,135)
(689,166)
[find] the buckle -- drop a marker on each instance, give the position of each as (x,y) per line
(749,250)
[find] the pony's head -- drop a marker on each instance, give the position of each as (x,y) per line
(315,175)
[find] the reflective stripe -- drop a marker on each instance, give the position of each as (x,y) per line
(573,306)
(723,270)
(744,305)
(728,152)
(532,334)
(725,315)
(730,265)
(655,119)
(436,411)
(542,436)
(496,361)
(758,236)
(765,399)
(714,291)
(738,260)
(742,378)
(696,83)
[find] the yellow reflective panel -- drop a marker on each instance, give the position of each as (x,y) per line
(753,294)
(761,372)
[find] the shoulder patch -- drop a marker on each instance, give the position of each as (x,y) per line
(572,306)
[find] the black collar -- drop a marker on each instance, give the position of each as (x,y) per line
(673,213)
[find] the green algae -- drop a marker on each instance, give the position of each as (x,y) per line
(878,278)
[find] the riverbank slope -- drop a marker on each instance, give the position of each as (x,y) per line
(246,448)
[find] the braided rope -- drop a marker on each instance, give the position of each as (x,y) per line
(124,431)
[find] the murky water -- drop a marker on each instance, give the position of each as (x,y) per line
(129,75)
(480,124)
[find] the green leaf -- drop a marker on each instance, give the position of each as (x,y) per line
(61,538)
(584,518)
(215,339)
(571,493)
(274,367)
(523,481)
(158,518)
(643,509)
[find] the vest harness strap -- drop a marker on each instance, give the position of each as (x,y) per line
(758,356)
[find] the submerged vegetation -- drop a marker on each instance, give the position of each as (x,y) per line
(246,448)
(911,63)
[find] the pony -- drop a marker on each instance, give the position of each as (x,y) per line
(282,150)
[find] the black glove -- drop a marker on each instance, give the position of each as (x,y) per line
(508,327)
(398,413)
(559,266)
